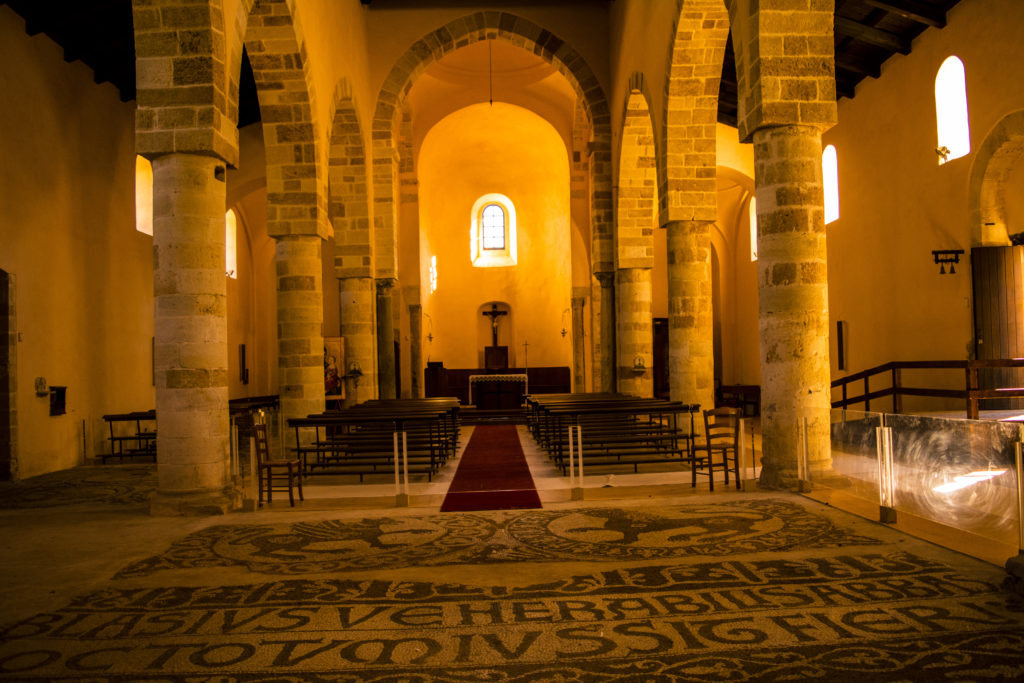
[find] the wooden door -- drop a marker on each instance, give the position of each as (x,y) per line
(398,368)
(998,279)
(661,385)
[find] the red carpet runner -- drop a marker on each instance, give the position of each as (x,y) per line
(492,474)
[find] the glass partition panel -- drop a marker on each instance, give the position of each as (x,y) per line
(960,473)
(853,474)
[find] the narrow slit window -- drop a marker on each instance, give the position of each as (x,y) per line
(954,131)
(752,217)
(231,244)
(494,227)
(143,195)
(830,181)
(433,274)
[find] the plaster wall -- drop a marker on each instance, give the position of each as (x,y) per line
(338,51)
(67,233)
(897,203)
(508,150)
(252,311)
(640,38)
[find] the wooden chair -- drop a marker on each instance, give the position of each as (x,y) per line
(281,475)
(721,438)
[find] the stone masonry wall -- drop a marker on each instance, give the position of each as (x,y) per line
(181,82)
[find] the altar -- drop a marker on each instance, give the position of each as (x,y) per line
(498,391)
(505,393)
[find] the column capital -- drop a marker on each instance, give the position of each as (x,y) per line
(415,309)
(385,285)
(606,278)
(578,301)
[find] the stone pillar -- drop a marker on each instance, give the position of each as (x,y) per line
(300,325)
(793,300)
(634,332)
(579,359)
(190,353)
(691,360)
(385,338)
(604,351)
(416,350)
(356,299)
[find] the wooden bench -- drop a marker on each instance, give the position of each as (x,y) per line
(360,440)
(745,397)
(129,439)
(615,429)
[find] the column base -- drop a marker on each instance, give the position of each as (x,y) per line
(789,479)
(195,504)
(1015,573)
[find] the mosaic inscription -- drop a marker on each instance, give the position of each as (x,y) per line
(594,534)
(893,615)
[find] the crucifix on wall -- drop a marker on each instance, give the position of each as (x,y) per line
(495,357)
(493,314)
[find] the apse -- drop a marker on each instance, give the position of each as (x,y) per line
(507,157)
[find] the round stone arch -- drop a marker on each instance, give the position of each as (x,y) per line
(1002,149)
(686,164)
(297,184)
(638,180)
(349,188)
(453,35)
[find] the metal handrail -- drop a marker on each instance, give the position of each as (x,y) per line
(971,394)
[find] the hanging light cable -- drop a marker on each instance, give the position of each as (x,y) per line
(490,74)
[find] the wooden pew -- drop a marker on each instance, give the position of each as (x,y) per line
(360,440)
(132,441)
(616,430)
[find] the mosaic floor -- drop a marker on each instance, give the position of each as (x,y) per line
(729,587)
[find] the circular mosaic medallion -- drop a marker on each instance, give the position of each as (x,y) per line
(350,544)
(695,530)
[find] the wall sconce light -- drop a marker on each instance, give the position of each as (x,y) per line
(354,370)
(639,367)
(944,256)
(564,326)
(943,153)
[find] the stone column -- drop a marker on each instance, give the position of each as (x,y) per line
(634,332)
(416,350)
(793,300)
(356,297)
(300,325)
(385,338)
(579,360)
(190,354)
(604,351)
(691,360)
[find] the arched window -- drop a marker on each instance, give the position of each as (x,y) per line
(143,195)
(492,235)
(830,182)
(951,111)
(231,244)
(493,219)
